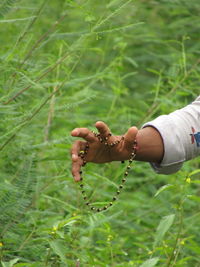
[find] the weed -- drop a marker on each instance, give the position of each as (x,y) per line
(66,64)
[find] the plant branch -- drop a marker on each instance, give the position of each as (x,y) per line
(152,110)
(38,79)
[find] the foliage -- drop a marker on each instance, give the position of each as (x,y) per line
(67,64)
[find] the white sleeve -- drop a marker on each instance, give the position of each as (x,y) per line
(180,131)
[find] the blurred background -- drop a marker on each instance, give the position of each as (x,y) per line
(67,64)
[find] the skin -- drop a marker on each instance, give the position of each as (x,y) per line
(150,146)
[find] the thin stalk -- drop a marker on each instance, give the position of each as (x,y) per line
(50,69)
(1,253)
(30,25)
(52,103)
(50,116)
(42,37)
(155,106)
(174,253)
(22,36)
(176,256)
(110,16)
(9,139)
(44,74)
(35,45)
(184,57)
(26,240)
(111,255)
(48,256)
(28,119)
(114,101)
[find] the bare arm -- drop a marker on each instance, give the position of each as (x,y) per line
(150,143)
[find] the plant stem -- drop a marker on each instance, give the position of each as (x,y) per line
(174,253)
(155,106)
(50,69)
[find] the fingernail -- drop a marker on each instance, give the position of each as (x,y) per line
(74,156)
(77,179)
(98,122)
(74,133)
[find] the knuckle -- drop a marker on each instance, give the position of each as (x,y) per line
(85,131)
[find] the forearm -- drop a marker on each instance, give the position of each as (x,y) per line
(150,145)
(180,133)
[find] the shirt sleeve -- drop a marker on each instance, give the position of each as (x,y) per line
(180,131)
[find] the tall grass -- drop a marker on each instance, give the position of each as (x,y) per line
(67,64)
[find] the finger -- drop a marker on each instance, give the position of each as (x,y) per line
(85,133)
(102,128)
(76,169)
(129,138)
(76,160)
(77,147)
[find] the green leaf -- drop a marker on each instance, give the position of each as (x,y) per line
(61,224)
(59,249)
(163,188)
(164,225)
(150,263)
(194,172)
(90,18)
(193,197)
(10,263)
(35,264)
(195,181)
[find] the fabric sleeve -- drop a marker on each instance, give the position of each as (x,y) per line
(180,131)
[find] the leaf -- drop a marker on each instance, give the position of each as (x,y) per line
(193,197)
(164,225)
(195,181)
(16,20)
(59,249)
(10,263)
(90,18)
(35,264)
(69,221)
(163,188)
(194,172)
(132,61)
(150,263)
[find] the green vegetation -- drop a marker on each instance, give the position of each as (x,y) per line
(66,64)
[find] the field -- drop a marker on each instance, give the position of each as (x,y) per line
(67,64)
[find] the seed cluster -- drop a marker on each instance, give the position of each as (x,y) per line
(106,142)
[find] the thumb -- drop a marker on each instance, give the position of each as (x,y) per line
(129,137)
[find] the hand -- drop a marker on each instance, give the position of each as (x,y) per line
(98,152)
